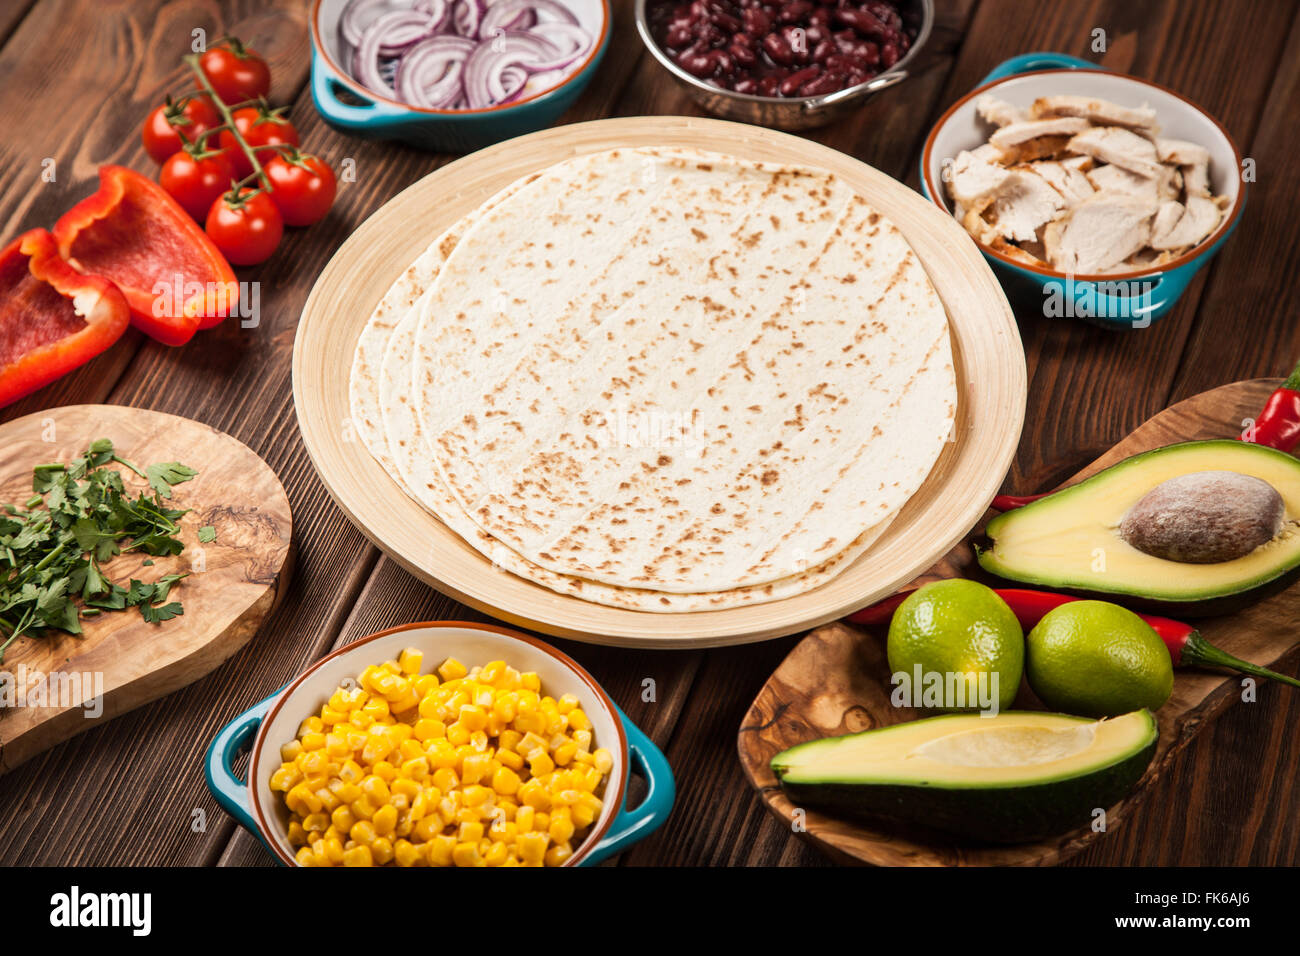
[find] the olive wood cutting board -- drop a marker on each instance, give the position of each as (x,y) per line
(836,680)
(231,588)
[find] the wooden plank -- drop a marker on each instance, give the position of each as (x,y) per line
(709,826)
(127,60)
(1235,788)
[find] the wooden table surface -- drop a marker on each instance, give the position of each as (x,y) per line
(79,77)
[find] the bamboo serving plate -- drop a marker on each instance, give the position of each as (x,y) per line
(836,681)
(232,585)
(986,344)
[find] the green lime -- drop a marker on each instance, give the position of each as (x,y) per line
(961,633)
(1097,659)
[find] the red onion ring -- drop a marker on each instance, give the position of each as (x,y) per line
(430,73)
(357,15)
(503,13)
(456,54)
(466,15)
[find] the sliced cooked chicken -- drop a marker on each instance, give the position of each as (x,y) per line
(972,180)
(1192,159)
(1099,233)
(1181,153)
(1066,180)
(1102,112)
(1110,144)
(1022,205)
(1200,218)
(1022,132)
(998,112)
(987,153)
(1016,253)
(1081,163)
(1119,180)
(1196,179)
(1167,217)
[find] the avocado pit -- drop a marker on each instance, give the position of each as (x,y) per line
(1204,517)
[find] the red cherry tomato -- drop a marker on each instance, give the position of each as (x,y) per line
(236,73)
(160,131)
(258,128)
(196,183)
(246,229)
(303,195)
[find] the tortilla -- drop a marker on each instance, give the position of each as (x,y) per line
(778,329)
(396,445)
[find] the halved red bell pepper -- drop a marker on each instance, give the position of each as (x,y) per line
(132,232)
(52,317)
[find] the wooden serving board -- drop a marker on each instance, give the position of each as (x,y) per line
(231,588)
(987,354)
(836,681)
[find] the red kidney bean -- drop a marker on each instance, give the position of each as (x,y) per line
(781,47)
(778,49)
(743,56)
(791,84)
(757,22)
(860,20)
(828,82)
(794,11)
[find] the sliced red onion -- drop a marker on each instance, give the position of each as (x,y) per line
(466,15)
(400,29)
(357,15)
(536,53)
(568,36)
(430,72)
(503,14)
(458,54)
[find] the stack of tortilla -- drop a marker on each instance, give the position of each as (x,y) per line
(662,379)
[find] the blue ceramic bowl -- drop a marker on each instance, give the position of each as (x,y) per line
(1127,300)
(364,113)
(275,721)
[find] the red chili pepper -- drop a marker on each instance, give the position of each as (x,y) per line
(132,232)
(1278,425)
(1012,502)
(1187,648)
(52,318)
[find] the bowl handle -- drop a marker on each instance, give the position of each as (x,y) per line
(219,764)
(1028,62)
(1126,312)
(883,82)
(323,83)
(629,826)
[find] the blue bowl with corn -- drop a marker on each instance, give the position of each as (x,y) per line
(440,743)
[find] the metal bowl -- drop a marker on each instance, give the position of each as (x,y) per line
(794,112)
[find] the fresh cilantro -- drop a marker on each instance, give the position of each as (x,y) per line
(80,515)
(207,534)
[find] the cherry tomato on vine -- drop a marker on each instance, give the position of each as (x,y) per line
(235,72)
(259,128)
(196,181)
(161,131)
(246,228)
(302,187)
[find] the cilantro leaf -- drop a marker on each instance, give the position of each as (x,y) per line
(162,476)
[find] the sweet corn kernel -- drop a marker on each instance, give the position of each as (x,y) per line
(464,767)
(452,669)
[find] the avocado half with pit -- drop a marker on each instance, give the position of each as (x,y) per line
(1190,529)
(1015,777)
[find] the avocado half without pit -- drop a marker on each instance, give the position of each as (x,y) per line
(1017,777)
(1192,529)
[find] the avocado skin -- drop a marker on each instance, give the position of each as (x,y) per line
(988,814)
